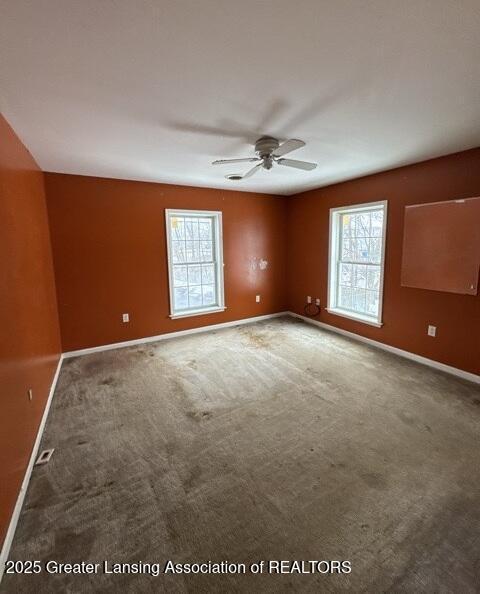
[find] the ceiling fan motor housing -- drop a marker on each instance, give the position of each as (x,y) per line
(265,146)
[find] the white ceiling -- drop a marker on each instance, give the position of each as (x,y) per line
(157,89)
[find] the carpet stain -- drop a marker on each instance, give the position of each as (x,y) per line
(193,478)
(199,415)
(374,480)
(75,546)
(108,381)
(256,339)
(94,366)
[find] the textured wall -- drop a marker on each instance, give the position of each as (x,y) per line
(109,247)
(29,336)
(406,311)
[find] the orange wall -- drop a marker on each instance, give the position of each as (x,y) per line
(29,338)
(109,247)
(406,311)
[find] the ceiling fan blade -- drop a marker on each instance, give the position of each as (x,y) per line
(227,161)
(297,164)
(253,170)
(287,147)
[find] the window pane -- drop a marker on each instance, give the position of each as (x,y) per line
(360,272)
(345,297)
(178,252)
(208,274)
(346,274)
(191,229)
(372,303)
(208,294)
(359,300)
(180,298)
(194,275)
(206,251)
(179,276)
(363,225)
(348,248)
(347,226)
(362,250)
(195,296)
(375,250)
(373,278)
(377,223)
(192,251)
(205,228)
(353,224)
(177,225)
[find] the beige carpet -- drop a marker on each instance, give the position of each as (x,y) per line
(274,441)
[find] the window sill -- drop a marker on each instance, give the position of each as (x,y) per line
(197,312)
(356,317)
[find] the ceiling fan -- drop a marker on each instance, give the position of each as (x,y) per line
(269,151)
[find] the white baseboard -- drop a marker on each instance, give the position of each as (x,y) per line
(472,377)
(168,335)
(7,543)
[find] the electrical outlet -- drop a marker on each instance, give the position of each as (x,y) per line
(125,318)
(317,302)
(309,299)
(432,331)
(257,298)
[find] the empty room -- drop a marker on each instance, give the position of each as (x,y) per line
(239,296)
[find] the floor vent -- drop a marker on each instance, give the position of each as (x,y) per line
(44,457)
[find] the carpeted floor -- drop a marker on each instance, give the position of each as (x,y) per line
(273,441)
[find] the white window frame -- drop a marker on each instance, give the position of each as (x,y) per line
(333,261)
(216,215)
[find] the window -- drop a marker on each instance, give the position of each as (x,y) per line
(357,253)
(195,262)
